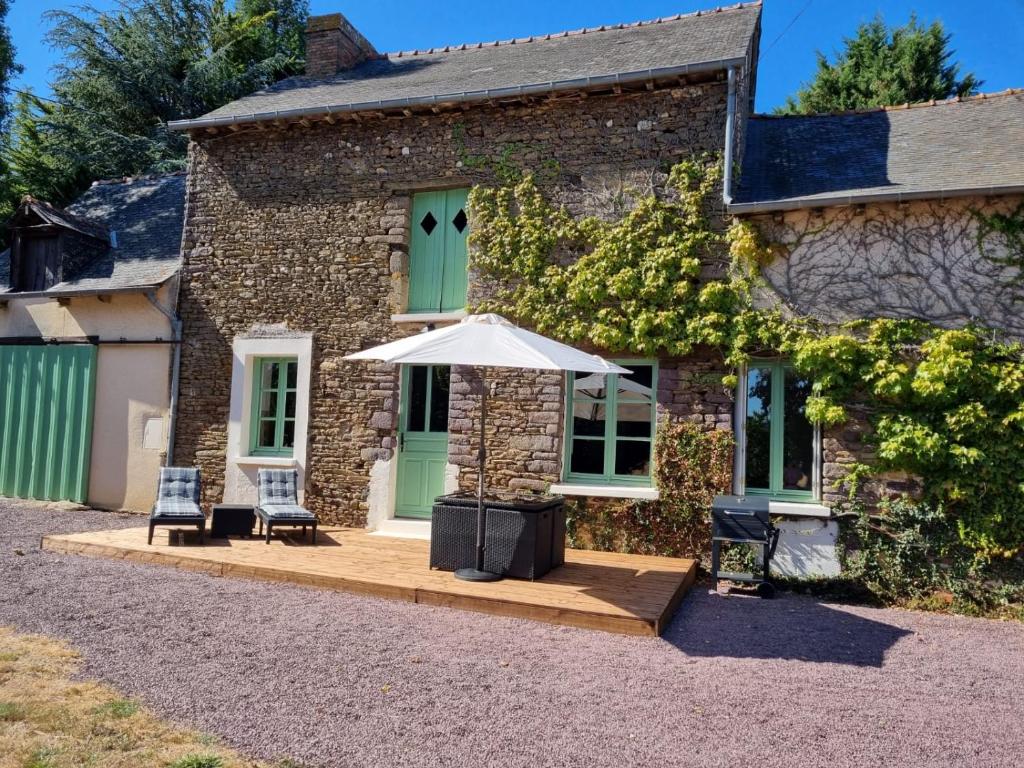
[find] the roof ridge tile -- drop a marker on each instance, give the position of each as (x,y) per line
(897,107)
(568,33)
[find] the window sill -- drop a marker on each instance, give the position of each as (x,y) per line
(609,491)
(429,317)
(266,461)
(798,509)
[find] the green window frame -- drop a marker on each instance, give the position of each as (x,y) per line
(272,417)
(438,255)
(780,445)
(615,444)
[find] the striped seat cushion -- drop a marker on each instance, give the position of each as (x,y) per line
(177,508)
(293,511)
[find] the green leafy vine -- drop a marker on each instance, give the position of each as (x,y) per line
(945,405)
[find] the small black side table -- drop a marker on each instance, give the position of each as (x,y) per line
(232,520)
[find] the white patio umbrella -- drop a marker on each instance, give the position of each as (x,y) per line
(486,341)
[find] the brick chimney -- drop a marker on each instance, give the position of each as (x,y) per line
(334,45)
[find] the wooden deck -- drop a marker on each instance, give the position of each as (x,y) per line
(628,594)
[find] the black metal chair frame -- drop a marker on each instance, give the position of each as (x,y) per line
(178,521)
(292,522)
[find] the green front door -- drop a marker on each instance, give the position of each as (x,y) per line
(46,406)
(422,439)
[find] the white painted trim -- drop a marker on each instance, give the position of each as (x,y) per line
(429,317)
(798,509)
(237,481)
(266,461)
(403,529)
(608,491)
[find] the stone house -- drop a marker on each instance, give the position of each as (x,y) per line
(327,214)
(87,343)
(878,214)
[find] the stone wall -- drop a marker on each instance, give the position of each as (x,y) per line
(920,260)
(308,227)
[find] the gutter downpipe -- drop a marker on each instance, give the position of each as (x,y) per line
(175,374)
(730,121)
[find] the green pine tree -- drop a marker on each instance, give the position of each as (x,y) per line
(126,73)
(882,66)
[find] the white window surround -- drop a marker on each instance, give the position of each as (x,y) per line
(810,508)
(798,509)
(608,491)
(240,469)
(429,317)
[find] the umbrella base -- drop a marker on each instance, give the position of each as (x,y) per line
(472,574)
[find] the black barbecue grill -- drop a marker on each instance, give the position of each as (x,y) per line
(743,520)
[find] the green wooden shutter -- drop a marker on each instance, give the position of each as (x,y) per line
(437,254)
(455,276)
(46,409)
(426,255)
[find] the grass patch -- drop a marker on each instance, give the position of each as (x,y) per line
(117,709)
(198,761)
(49,720)
(9,711)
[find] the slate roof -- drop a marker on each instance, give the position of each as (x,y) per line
(943,149)
(701,41)
(145,215)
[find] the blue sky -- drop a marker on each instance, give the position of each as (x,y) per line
(989,43)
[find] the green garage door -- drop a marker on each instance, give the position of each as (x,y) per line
(46,402)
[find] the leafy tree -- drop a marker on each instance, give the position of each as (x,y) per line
(8,68)
(126,73)
(881,67)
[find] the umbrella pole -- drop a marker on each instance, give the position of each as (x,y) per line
(478,573)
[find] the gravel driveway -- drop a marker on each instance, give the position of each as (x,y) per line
(331,679)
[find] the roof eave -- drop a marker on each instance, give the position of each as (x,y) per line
(72,293)
(770,206)
(461,98)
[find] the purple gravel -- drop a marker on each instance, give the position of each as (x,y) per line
(338,680)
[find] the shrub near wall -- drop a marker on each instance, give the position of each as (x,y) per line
(692,466)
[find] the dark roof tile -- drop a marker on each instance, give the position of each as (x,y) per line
(926,150)
(452,72)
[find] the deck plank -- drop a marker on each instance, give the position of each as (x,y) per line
(626,594)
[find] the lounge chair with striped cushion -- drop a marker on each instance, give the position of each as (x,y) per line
(279,502)
(177,501)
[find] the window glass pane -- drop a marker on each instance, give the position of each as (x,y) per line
(293,374)
(288,441)
(587,457)
(417,399)
(633,419)
(439,398)
(268,375)
(590,385)
(268,429)
(637,385)
(798,435)
(289,405)
(759,429)
(268,404)
(632,457)
(588,419)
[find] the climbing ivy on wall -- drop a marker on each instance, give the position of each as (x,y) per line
(665,277)
(1008,228)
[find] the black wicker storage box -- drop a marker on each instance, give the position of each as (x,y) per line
(453,533)
(525,537)
(232,520)
(518,543)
